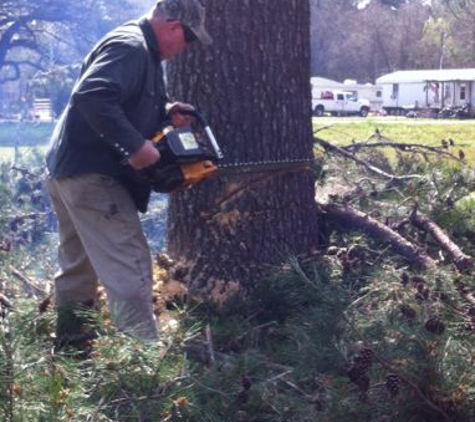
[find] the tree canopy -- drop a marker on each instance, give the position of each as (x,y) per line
(44,32)
(363,40)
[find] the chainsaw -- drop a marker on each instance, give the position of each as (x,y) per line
(189,155)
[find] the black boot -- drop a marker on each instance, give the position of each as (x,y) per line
(75,328)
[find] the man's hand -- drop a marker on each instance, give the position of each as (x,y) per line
(145,156)
(178,119)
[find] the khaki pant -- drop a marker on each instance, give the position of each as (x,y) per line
(101,237)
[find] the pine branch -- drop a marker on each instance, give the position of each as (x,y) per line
(376,170)
(406,147)
(402,376)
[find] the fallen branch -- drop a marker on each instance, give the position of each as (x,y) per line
(348,216)
(5,302)
(209,341)
(333,148)
(29,286)
(421,148)
(22,217)
(23,171)
(462,261)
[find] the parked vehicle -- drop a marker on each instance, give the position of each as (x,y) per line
(340,103)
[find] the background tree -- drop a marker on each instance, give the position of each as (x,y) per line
(32,33)
(253,84)
(437,45)
(452,26)
(329,26)
(362,41)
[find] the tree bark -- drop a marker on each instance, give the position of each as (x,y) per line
(253,85)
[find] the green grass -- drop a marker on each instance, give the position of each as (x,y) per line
(339,130)
(8,153)
(424,131)
(24,133)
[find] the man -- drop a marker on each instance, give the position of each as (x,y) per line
(117,104)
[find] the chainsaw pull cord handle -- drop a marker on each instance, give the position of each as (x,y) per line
(202,121)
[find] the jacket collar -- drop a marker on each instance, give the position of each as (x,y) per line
(150,38)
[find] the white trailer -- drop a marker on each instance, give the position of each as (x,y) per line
(427,89)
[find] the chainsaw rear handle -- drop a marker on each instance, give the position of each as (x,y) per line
(202,121)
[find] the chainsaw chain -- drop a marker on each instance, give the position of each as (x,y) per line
(266,162)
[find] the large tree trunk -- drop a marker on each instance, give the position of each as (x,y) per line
(253,85)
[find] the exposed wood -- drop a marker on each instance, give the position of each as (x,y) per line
(348,216)
(461,260)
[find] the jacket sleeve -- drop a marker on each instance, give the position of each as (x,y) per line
(114,76)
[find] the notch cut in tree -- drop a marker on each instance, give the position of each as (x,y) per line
(253,85)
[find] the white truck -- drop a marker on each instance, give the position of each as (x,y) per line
(340,103)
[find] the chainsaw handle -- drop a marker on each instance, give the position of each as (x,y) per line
(202,121)
(194,113)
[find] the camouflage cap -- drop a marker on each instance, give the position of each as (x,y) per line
(191,13)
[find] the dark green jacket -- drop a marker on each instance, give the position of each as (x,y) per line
(117,103)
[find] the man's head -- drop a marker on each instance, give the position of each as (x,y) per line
(178,23)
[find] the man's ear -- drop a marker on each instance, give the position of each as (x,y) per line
(174,24)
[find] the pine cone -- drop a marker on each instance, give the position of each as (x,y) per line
(426,293)
(420,287)
(246,382)
(408,311)
(364,360)
(45,304)
(179,272)
(392,384)
(363,382)
(405,279)
(418,279)
(164,261)
(419,297)
(422,295)
(435,325)
(356,373)
(444,297)
(242,397)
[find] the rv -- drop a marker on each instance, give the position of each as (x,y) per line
(427,89)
